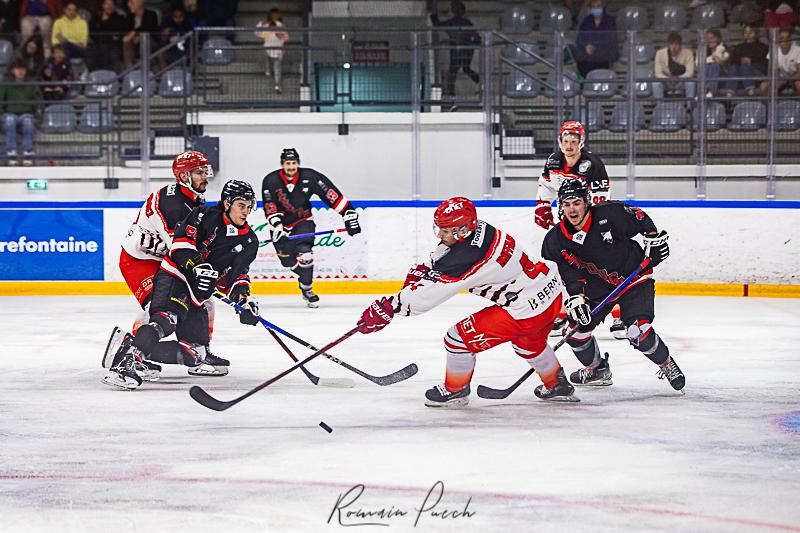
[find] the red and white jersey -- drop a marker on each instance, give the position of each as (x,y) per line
(490,264)
(588,168)
(150,235)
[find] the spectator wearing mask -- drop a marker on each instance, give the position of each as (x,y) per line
(675,65)
(748,60)
(32,54)
(20,106)
(274,39)
(39,14)
(56,69)
(71,32)
(596,45)
(788,64)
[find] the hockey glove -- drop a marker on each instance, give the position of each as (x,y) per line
(350,218)
(377,316)
(203,280)
(276,229)
(241,295)
(416,274)
(543,215)
(578,310)
(656,247)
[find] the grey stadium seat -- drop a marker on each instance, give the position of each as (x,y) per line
(748,116)
(6,52)
(519,85)
(58,118)
(519,53)
(632,18)
(669,17)
(555,18)
(600,83)
(708,16)
(593,117)
(570,84)
(668,116)
(619,117)
(644,85)
(788,114)
(103,84)
(517,19)
(715,117)
(644,51)
(95,119)
(175,83)
(132,84)
(217,51)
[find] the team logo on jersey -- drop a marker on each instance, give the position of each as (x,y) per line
(607,237)
(191,232)
(579,237)
(231,230)
(584,166)
(171,189)
(332,195)
(238,248)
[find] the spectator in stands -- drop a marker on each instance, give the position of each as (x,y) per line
(675,65)
(596,45)
(193,12)
(273,44)
(9,16)
(107,27)
(141,23)
(38,14)
(19,101)
(176,25)
(463,44)
(748,13)
(71,32)
(32,54)
(778,14)
(717,59)
(57,69)
(748,59)
(788,64)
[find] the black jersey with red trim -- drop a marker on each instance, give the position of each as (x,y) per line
(206,235)
(589,169)
(292,198)
(594,260)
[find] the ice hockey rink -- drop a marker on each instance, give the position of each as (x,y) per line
(79,456)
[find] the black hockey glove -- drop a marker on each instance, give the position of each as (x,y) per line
(350,218)
(578,310)
(203,280)
(656,247)
(241,295)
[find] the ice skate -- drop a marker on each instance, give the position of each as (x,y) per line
(618,329)
(123,373)
(439,396)
(562,392)
(594,376)
(310,298)
(672,373)
(211,366)
(117,339)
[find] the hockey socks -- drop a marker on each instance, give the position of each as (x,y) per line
(545,364)
(644,338)
(584,345)
(460,361)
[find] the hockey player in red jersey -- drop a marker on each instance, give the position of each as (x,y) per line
(473,255)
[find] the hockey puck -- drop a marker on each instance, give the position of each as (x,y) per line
(326,427)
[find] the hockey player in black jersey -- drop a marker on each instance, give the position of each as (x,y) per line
(286,193)
(212,248)
(594,249)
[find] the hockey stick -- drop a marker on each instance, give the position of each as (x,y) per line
(499,394)
(344,383)
(206,400)
(301,235)
(389,379)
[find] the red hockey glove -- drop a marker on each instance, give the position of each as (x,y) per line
(377,316)
(543,215)
(415,274)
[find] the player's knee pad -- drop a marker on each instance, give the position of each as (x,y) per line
(305,259)
(191,354)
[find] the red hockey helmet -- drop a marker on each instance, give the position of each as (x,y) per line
(572,127)
(186,162)
(456,213)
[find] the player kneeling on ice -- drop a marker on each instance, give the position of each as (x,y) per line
(594,249)
(477,257)
(212,247)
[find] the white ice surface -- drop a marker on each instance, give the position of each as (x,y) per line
(78,456)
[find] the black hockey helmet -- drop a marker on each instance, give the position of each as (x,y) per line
(290,154)
(238,190)
(572,188)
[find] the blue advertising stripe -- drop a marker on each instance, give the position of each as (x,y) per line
(719,204)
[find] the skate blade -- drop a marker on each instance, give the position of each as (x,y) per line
(619,335)
(452,404)
(112,379)
(563,399)
(149,375)
(312,305)
(205,370)
(600,383)
(111,347)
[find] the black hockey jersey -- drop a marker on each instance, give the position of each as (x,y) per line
(595,260)
(292,199)
(589,169)
(206,235)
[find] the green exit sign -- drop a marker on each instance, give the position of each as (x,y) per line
(37,185)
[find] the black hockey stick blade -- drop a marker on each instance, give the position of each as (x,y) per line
(389,379)
(499,394)
(206,400)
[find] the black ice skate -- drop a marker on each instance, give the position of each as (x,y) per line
(594,376)
(672,372)
(118,343)
(439,396)
(310,298)
(558,327)
(562,392)
(211,366)
(618,329)
(123,373)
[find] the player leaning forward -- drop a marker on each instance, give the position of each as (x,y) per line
(212,248)
(595,251)
(477,257)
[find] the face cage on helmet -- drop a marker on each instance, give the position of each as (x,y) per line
(459,233)
(188,183)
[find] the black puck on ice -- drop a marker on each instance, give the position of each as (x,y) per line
(326,427)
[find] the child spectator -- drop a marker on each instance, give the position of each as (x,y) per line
(56,69)
(273,44)
(19,101)
(71,32)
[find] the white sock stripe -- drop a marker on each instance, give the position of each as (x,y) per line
(545,362)
(652,350)
(460,363)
